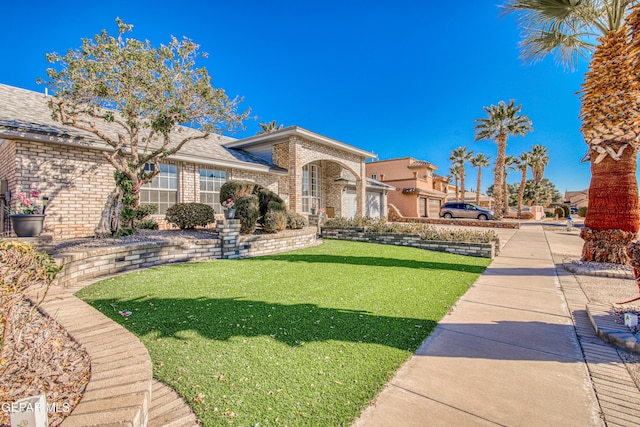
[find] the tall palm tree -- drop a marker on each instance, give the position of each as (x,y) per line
(538,161)
(609,112)
(523,162)
(454,171)
(459,157)
(503,120)
(510,163)
(480,161)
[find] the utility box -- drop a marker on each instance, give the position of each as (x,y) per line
(631,320)
(30,411)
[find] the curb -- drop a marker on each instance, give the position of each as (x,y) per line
(614,274)
(609,331)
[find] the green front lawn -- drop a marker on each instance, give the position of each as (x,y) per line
(302,338)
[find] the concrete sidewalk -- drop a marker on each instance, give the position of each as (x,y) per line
(507,354)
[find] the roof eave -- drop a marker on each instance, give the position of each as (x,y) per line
(282,135)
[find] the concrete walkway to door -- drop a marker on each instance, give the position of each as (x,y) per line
(507,354)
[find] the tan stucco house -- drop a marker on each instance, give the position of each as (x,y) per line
(577,199)
(419,191)
(67,166)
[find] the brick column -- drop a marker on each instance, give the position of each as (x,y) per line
(295,176)
(229,232)
(361,191)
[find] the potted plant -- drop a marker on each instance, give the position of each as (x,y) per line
(229,207)
(28,216)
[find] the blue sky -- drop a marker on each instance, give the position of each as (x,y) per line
(399,78)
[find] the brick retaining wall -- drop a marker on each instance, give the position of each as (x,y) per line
(359,234)
(95,263)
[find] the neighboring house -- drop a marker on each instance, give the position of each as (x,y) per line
(577,199)
(67,166)
(419,192)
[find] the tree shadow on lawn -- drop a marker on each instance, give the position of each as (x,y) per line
(372,261)
(225,318)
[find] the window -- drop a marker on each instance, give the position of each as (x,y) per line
(310,187)
(163,190)
(210,183)
(374,176)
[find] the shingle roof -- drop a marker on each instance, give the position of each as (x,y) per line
(24,114)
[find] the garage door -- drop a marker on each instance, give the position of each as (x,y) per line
(374,204)
(434,208)
(351,205)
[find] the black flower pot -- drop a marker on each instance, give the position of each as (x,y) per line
(27,225)
(230,213)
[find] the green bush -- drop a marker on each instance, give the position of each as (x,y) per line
(147,224)
(190,215)
(559,212)
(582,211)
(549,214)
(274,221)
(247,211)
(236,189)
(296,221)
(269,201)
(143,211)
(567,210)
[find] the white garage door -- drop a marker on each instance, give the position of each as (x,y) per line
(374,204)
(351,205)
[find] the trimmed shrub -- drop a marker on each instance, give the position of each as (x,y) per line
(526,215)
(147,224)
(236,189)
(190,215)
(582,211)
(559,212)
(275,221)
(296,221)
(567,210)
(269,201)
(143,211)
(247,211)
(549,214)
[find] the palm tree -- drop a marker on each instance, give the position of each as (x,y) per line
(523,162)
(609,112)
(503,121)
(510,163)
(480,161)
(269,127)
(458,158)
(538,161)
(454,171)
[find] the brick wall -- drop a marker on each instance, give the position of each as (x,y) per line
(288,240)
(484,250)
(78,266)
(77,182)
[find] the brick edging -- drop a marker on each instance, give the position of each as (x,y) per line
(359,234)
(119,388)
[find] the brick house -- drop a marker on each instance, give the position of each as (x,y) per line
(419,191)
(67,166)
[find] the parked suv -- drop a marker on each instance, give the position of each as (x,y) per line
(464,210)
